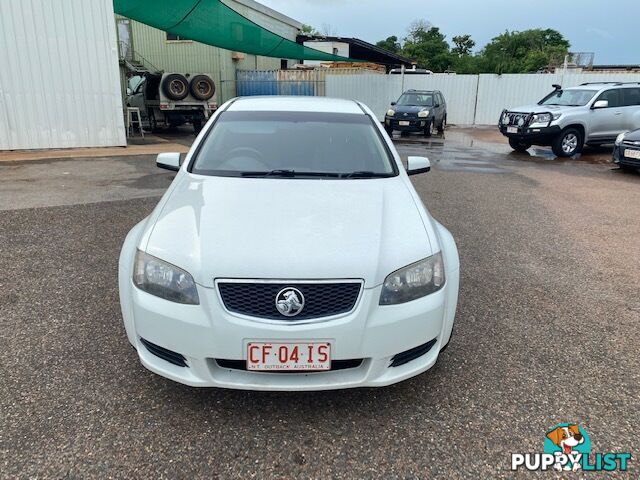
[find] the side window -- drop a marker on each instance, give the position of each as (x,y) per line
(630,97)
(612,96)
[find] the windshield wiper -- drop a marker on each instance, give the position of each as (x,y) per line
(364,174)
(288,174)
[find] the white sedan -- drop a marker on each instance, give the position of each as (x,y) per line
(291,252)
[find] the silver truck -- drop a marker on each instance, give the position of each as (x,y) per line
(567,119)
(172,99)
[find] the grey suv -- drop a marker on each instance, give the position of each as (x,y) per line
(567,119)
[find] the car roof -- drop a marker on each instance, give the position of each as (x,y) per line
(602,85)
(421,91)
(295,104)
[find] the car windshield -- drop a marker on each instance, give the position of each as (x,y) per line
(416,99)
(568,98)
(294,145)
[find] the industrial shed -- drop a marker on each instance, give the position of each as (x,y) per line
(59,81)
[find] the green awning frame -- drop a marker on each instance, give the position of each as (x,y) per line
(216,24)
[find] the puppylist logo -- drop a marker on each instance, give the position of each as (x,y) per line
(567,447)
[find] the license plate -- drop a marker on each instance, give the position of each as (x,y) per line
(512,129)
(404,124)
(284,356)
(632,154)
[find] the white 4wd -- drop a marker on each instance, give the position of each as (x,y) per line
(567,119)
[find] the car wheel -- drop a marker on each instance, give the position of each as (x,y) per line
(428,129)
(568,143)
(443,125)
(518,145)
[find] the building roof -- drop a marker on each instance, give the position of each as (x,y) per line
(361,50)
(295,104)
(267,11)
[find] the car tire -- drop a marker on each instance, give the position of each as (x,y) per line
(428,129)
(443,125)
(518,145)
(568,143)
(202,87)
(175,86)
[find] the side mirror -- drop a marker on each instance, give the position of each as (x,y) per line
(393,104)
(417,165)
(169,161)
(437,105)
(601,104)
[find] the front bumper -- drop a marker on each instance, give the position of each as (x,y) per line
(415,124)
(536,136)
(206,333)
(620,158)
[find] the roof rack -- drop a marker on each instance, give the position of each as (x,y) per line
(609,83)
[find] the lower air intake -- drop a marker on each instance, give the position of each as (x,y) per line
(410,355)
(166,355)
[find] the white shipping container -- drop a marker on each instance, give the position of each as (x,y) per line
(59,75)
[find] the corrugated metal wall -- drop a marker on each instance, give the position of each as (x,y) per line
(471,99)
(194,57)
(59,78)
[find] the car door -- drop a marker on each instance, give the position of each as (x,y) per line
(439,107)
(606,123)
(631,108)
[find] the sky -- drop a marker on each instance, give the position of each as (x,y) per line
(609,28)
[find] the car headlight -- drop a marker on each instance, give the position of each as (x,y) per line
(541,119)
(164,280)
(413,281)
(620,138)
(423,113)
(391,112)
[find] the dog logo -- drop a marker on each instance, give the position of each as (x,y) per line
(289,302)
(567,439)
(568,447)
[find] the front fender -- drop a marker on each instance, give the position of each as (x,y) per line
(452,272)
(125,274)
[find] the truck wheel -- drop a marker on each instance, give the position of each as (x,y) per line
(518,145)
(175,86)
(202,87)
(568,143)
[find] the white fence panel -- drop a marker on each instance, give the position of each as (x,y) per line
(375,91)
(378,91)
(471,99)
(459,91)
(497,92)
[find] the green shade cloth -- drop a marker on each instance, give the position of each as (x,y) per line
(214,23)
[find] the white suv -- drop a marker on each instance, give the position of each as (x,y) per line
(567,119)
(291,252)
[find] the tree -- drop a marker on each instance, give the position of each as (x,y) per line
(463,45)
(391,44)
(427,46)
(309,30)
(526,51)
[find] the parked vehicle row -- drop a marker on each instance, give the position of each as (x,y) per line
(172,99)
(567,119)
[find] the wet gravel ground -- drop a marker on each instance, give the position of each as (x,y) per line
(546,332)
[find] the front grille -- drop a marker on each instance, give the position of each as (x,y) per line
(335,365)
(256,299)
(516,119)
(165,354)
(410,355)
